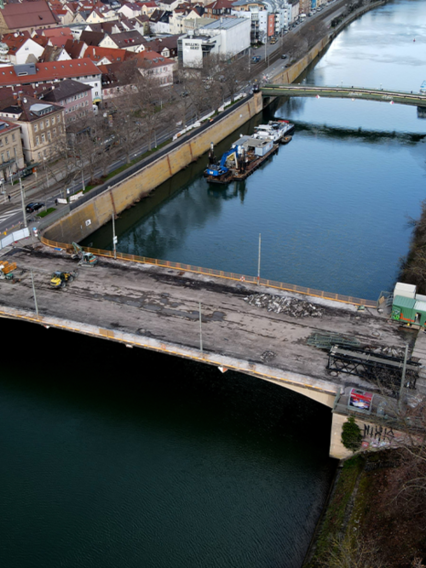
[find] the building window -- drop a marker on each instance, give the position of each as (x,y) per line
(53,120)
(13,137)
(43,138)
(35,128)
(37,140)
(47,123)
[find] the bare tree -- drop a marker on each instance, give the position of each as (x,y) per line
(351,552)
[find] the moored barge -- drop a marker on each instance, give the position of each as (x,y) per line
(244,157)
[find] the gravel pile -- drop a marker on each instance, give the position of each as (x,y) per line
(285,305)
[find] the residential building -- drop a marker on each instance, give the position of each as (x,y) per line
(218,8)
(41,124)
(258,14)
(21,48)
(130,41)
(74,97)
(11,154)
(22,16)
(83,70)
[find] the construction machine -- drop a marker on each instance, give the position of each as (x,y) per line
(60,279)
(6,270)
(86,258)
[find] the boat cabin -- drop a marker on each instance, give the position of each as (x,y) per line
(259,147)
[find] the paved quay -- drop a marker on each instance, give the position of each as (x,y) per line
(162,305)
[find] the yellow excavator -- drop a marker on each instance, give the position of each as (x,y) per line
(6,270)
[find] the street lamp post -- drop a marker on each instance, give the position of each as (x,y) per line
(47,181)
(23,202)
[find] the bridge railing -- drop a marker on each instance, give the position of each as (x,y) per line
(301,87)
(247,279)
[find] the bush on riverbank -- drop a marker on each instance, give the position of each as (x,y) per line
(376,516)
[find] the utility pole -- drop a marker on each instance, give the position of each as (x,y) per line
(114,238)
(82,177)
(201,332)
(34,293)
(404,367)
(258,259)
(23,203)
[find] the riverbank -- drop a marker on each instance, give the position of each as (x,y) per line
(369,520)
(413,266)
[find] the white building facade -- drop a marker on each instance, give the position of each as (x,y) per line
(227,38)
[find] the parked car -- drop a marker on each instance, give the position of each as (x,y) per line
(255,59)
(35,206)
(284,56)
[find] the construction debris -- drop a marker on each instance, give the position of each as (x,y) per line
(285,305)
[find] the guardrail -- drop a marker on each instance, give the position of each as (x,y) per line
(247,279)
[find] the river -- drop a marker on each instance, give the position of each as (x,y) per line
(122,458)
(333,206)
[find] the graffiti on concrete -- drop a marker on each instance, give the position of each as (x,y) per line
(378,436)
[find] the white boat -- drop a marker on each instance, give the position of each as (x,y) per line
(275,130)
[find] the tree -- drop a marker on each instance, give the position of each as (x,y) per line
(351,435)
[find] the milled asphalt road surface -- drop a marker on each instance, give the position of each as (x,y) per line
(164,304)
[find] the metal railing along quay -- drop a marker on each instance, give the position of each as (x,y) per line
(243,278)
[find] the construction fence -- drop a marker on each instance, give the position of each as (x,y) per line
(247,279)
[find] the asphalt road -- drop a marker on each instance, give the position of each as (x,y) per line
(164,304)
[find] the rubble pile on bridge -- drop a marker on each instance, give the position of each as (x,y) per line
(285,305)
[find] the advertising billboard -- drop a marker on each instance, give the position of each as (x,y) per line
(360,400)
(271,25)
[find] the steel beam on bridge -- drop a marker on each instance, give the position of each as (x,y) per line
(399,97)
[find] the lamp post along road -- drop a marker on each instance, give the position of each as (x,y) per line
(23,202)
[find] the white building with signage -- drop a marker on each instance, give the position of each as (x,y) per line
(226,37)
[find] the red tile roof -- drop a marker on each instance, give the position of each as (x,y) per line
(49,71)
(60,41)
(27,15)
(96,53)
(53,32)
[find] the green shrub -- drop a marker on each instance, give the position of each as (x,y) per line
(351,435)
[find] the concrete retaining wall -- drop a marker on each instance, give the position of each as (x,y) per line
(375,435)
